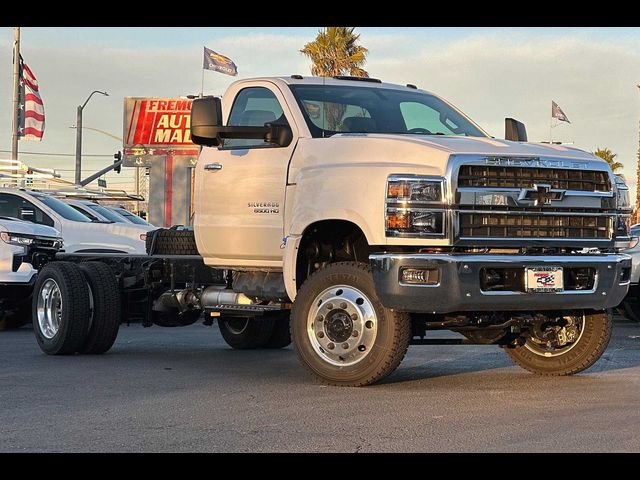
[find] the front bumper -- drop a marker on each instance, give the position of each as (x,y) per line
(459,287)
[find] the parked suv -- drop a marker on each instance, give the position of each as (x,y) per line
(80,234)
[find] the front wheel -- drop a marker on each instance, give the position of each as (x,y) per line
(565,345)
(341,332)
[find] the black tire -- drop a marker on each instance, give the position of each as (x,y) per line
(168,241)
(106,314)
(242,333)
(631,309)
(74,315)
(18,317)
(390,342)
(281,334)
(596,333)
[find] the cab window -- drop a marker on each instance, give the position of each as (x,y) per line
(17,207)
(254,107)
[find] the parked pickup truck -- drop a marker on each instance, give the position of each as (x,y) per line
(368,214)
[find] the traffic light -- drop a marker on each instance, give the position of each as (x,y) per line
(118,158)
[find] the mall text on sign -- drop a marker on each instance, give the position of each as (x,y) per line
(157,122)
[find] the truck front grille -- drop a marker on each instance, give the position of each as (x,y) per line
(526,177)
(40,242)
(531,226)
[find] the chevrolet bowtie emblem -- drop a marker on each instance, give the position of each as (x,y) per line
(541,194)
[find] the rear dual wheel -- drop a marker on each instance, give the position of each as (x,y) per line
(76,309)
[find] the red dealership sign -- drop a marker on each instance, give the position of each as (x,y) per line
(156,127)
(157,122)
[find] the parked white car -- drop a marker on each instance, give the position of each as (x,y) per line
(99,212)
(24,247)
(80,234)
(130,217)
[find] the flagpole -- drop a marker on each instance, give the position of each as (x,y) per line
(202,84)
(16,92)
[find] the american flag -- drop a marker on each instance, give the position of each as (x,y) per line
(30,106)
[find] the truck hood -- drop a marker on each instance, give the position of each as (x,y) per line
(483,146)
(14,225)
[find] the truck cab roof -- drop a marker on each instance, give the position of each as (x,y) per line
(343,80)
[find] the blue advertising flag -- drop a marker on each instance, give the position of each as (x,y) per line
(219,63)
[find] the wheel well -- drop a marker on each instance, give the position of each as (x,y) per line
(329,241)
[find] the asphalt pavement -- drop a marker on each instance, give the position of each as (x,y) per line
(182,389)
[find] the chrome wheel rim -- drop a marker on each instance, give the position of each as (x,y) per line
(571,333)
(342,325)
(49,308)
(237,325)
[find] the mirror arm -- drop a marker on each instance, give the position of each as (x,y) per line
(242,132)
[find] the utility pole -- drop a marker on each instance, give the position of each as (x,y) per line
(16,93)
(78,145)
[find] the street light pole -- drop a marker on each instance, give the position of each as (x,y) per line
(79,135)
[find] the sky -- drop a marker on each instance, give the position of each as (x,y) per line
(489,73)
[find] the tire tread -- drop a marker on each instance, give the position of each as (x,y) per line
(400,342)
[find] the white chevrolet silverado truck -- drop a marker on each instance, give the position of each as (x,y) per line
(366,215)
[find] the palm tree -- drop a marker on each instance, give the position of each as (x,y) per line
(610,157)
(335,51)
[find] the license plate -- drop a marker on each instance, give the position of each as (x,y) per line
(544,279)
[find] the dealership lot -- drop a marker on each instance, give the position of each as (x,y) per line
(185,390)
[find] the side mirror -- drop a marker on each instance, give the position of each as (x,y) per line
(206,118)
(207,128)
(514,130)
(279,134)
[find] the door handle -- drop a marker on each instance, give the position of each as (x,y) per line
(213,167)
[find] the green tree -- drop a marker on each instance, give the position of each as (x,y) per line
(335,51)
(610,157)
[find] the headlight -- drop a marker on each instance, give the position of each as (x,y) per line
(13,239)
(406,189)
(632,243)
(414,206)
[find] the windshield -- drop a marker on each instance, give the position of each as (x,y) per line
(130,216)
(106,213)
(62,209)
(87,214)
(331,109)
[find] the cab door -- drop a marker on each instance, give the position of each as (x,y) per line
(240,186)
